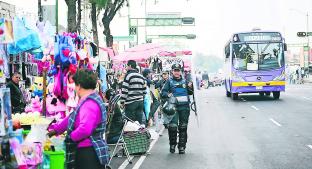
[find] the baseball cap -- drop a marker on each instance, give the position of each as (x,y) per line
(176,66)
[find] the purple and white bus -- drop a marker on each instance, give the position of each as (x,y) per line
(254,63)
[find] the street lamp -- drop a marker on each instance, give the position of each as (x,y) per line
(307,34)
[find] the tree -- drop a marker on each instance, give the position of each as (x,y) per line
(79,16)
(40,14)
(110,11)
(71,15)
(94,5)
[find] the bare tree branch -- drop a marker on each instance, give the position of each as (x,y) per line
(119,5)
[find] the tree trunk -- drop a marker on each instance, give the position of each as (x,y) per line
(107,33)
(94,24)
(71,16)
(79,16)
(40,17)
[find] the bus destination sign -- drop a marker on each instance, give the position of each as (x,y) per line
(256,37)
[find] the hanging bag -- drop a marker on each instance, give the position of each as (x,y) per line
(57,90)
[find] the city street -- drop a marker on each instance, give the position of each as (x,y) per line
(252,133)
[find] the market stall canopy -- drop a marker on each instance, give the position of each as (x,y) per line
(139,52)
(175,53)
(109,51)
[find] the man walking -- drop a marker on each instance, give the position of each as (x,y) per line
(133,90)
(178,87)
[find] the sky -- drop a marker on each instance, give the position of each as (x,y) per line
(217,20)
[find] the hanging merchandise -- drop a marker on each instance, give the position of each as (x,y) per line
(6,125)
(37,87)
(102,76)
(94,49)
(4,56)
(6,31)
(72,100)
(25,39)
(2,69)
(57,90)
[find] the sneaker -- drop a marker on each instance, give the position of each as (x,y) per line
(172,148)
(181,150)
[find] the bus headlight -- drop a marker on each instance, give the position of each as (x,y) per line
(280,77)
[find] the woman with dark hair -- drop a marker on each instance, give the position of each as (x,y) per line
(85,145)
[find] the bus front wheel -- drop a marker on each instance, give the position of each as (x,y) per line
(276,95)
(235,96)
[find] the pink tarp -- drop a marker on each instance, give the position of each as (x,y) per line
(110,51)
(139,53)
(176,53)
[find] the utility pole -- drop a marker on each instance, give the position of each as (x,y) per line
(308,43)
(56,16)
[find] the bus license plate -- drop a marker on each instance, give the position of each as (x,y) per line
(259,87)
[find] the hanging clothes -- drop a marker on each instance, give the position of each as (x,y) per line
(102,76)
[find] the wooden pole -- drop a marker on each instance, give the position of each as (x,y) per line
(44,100)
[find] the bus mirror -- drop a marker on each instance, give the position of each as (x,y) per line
(285,47)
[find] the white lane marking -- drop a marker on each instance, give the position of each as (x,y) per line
(254,107)
(142,158)
(125,163)
(310,146)
(308,98)
(275,122)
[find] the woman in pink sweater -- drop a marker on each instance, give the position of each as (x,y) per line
(85,146)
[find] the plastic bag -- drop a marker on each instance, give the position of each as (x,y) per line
(38,133)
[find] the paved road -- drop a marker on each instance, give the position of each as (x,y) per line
(251,133)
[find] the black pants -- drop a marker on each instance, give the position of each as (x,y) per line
(134,111)
(86,158)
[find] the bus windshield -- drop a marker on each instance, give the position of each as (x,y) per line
(258,56)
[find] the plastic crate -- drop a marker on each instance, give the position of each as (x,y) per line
(53,160)
(137,142)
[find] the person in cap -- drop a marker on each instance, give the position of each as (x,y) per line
(147,75)
(161,83)
(179,88)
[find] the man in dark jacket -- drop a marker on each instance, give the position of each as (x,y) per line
(17,100)
(179,88)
